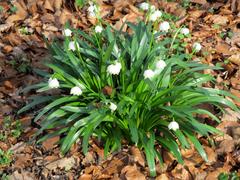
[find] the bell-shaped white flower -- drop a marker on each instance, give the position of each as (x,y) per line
(185,31)
(114,68)
(67,32)
(112,106)
(155,15)
(160,64)
(73,46)
(164,26)
(53,83)
(148,74)
(98,29)
(197,46)
(144,6)
(152,8)
(173,126)
(92,10)
(76,91)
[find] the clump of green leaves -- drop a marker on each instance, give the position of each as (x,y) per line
(81,3)
(5,157)
(10,128)
(229,176)
(137,87)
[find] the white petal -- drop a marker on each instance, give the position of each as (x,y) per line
(67,32)
(173,126)
(53,83)
(98,29)
(197,46)
(148,74)
(164,26)
(144,6)
(185,31)
(73,46)
(113,107)
(160,64)
(77,91)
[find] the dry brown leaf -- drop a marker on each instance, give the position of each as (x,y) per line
(226,146)
(65,163)
(235,59)
(180,172)
(49,5)
(22,160)
(162,177)
(138,156)
(132,173)
(21,14)
(3,146)
(58,4)
(50,143)
(220,20)
(5,27)
(223,48)
(24,175)
(85,177)
(194,15)
(32,6)
(199,1)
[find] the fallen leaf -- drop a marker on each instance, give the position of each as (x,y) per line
(65,163)
(50,143)
(23,175)
(220,20)
(132,173)
(225,146)
(85,177)
(138,156)
(235,59)
(49,5)
(21,14)
(162,177)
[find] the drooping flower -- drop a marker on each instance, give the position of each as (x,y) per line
(173,126)
(160,64)
(152,8)
(112,106)
(114,68)
(98,29)
(185,31)
(53,83)
(148,74)
(144,6)
(67,32)
(76,91)
(92,10)
(155,15)
(73,46)
(164,26)
(197,46)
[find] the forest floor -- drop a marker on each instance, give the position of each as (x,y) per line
(24,26)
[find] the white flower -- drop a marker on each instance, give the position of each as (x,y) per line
(92,10)
(148,74)
(112,106)
(160,64)
(73,46)
(144,6)
(67,32)
(152,8)
(185,31)
(164,26)
(98,29)
(114,68)
(53,83)
(76,91)
(155,15)
(197,46)
(173,126)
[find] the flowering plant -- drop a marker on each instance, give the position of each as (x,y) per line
(135,87)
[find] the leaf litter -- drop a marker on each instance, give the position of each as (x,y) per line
(215,24)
